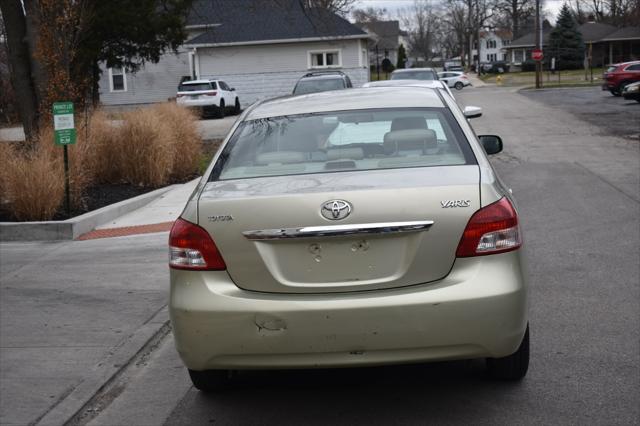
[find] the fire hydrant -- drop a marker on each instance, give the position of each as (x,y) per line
(499,80)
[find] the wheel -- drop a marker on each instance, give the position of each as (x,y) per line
(514,366)
(621,87)
(236,109)
(458,85)
(209,381)
(220,110)
(614,92)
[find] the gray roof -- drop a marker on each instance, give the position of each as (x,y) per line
(529,40)
(594,31)
(255,21)
(386,32)
(625,33)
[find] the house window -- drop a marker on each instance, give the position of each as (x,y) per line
(325,59)
(117,79)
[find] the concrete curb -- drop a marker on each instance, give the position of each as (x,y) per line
(72,228)
(107,370)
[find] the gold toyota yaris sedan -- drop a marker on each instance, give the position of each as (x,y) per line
(349,228)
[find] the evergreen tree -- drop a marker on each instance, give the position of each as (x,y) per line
(402,57)
(565,41)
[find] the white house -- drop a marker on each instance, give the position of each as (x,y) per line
(493,46)
(259,47)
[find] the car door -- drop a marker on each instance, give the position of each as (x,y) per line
(228,95)
(446,77)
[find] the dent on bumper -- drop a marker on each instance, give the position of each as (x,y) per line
(478,310)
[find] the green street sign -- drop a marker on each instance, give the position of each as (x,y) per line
(63,124)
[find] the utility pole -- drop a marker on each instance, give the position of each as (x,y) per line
(538,25)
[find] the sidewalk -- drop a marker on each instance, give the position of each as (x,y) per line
(475,80)
(73,314)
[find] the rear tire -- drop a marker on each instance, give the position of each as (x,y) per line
(614,92)
(210,381)
(621,87)
(514,366)
(458,85)
(220,111)
(236,109)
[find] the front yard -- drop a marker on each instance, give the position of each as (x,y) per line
(549,79)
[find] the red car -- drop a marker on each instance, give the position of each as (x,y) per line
(617,76)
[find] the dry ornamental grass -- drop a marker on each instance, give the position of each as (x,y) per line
(150,148)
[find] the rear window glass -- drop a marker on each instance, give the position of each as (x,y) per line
(414,75)
(612,68)
(196,87)
(343,141)
(318,85)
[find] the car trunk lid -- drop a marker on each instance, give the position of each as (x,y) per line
(403,228)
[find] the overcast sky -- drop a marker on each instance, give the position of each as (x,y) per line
(552,7)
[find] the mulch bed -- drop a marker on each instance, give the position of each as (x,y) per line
(99,196)
(96,197)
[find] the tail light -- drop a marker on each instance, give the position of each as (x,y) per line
(210,93)
(492,229)
(191,247)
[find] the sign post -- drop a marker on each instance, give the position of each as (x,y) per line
(64,134)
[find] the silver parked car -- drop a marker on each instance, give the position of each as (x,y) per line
(349,228)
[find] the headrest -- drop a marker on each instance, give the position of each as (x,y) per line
(408,140)
(403,123)
(280,157)
(345,153)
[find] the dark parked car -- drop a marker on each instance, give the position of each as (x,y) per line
(632,91)
(321,82)
(618,76)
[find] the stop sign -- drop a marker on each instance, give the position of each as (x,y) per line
(536,54)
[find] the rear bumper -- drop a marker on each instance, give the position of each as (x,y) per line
(211,101)
(478,310)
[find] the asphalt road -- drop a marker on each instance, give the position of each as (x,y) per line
(578,192)
(613,115)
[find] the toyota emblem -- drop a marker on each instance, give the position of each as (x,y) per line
(335,209)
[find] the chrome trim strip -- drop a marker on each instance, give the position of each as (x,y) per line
(338,230)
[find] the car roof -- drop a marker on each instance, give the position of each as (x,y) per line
(197,81)
(431,84)
(413,69)
(351,99)
(323,77)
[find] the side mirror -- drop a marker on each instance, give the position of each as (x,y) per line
(233,89)
(492,144)
(472,112)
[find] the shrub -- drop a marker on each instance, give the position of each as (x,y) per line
(529,65)
(143,150)
(32,182)
(182,126)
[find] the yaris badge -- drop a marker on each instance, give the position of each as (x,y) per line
(335,209)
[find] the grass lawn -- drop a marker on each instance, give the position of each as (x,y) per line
(559,78)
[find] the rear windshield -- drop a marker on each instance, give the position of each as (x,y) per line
(195,87)
(414,75)
(343,141)
(318,85)
(612,68)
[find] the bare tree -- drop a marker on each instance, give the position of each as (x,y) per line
(515,15)
(423,25)
(369,14)
(341,7)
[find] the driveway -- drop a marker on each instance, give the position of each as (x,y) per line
(209,129)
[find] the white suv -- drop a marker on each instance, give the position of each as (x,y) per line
(211,96)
